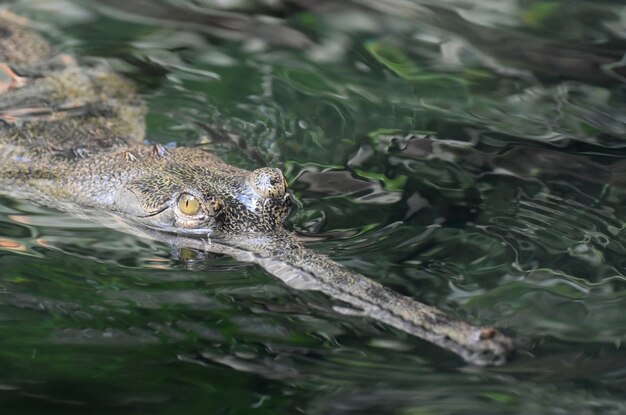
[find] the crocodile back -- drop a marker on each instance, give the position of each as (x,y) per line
(51,108)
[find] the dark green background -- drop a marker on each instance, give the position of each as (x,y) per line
(427,152)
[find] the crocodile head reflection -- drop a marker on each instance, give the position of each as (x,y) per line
(188,190)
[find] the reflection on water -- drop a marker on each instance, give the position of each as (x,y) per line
(468,154)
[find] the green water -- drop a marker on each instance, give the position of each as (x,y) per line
(470,155)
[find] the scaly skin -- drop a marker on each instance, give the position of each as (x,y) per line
(71,137)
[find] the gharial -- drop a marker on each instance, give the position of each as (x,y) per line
(72,138)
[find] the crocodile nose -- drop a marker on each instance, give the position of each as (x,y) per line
(268,182)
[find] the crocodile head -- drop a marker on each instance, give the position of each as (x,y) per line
(190,191)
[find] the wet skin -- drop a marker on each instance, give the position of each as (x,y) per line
(72,137)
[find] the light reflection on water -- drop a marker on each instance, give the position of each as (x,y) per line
(424,155)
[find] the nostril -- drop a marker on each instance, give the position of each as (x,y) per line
(268,182)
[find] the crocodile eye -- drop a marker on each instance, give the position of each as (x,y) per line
(268,182)
(188,204)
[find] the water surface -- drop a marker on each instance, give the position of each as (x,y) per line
(469,154)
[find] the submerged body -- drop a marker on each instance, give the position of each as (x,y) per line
(72,137)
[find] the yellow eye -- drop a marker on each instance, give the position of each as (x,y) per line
(188,204)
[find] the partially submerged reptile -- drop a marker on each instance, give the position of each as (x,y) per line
(72,138)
